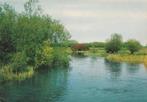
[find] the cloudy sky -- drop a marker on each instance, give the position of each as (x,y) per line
(96,20)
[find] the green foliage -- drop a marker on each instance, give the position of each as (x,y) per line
(133,46)
(19,62)
(44,55)
(114,44)
(25,39)
(60,56)
(7,19)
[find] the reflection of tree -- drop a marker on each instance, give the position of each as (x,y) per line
(2,94)
(132,68)
(44,87)
(114,68)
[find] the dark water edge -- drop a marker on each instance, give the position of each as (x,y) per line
(88,79)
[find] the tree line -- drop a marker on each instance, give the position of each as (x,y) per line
(115,43)
(112,45)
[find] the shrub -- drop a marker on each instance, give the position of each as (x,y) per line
(44,55)
(60,57)
(19,62)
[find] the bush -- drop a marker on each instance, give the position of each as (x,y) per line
(60,57)
(44,55)
(19,62)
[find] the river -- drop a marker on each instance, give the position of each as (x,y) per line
(88,79)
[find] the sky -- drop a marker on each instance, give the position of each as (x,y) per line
(96,20)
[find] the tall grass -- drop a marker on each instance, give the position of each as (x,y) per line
(145,61)
(6,73)
(128,58)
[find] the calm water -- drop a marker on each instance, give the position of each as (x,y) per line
(87,80)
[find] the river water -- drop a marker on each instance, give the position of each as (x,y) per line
(88,79)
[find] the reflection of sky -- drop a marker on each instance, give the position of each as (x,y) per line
(95,20)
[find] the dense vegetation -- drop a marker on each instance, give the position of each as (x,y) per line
(26,39)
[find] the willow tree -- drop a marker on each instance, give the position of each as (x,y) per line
(114,44)
(133,46)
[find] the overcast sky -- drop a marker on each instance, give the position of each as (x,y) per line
(96,20)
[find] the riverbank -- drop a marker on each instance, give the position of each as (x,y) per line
(19,71)
(122,56)
(6,73)
(128,58)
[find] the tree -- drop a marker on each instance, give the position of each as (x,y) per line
(114,44)
(133,45)
(32,8)
(7,20)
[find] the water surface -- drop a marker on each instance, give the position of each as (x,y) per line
(88,79)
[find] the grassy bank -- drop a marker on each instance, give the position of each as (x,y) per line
(145,61)
(6,73)
(128,58)
(122,56)
(18,69)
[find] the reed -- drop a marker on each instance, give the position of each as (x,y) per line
(7,73)
(145,61)
(127,58)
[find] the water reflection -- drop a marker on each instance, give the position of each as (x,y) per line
(2,95)
(114,68)
(43,87)
(145,65)
(133,68)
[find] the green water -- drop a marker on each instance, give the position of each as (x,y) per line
(86,80)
